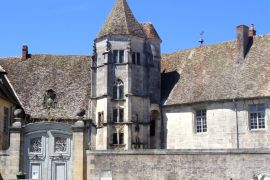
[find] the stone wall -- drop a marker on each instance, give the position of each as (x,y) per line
(180,127)
(177,164)
(10,159)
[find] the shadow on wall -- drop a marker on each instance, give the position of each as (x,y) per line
(1,178)
(168,81)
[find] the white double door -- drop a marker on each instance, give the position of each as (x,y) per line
(48,155)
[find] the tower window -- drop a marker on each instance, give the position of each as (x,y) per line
(121,115)
(136,58)
(118,138)
(201,123)
(100,119)
(257,116)
(118,90)
(118,115)
(115,115)
(133,58)
(118,56)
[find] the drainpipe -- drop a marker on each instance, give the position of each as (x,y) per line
(237,123)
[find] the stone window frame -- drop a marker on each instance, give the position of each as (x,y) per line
(118,138)
(118,115)
(136,58)
(118,90)
(200,115)
(118,56)
(254,113)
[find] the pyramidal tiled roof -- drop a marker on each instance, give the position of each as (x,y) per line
(121,21)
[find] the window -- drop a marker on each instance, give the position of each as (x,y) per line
(60,144)
(121,115)
(35,145)
(115,115)
(136,58)
(118,138)
(6,119)
(133,58)
(201,123)
(257,116)
(118,115)
(118,56)
(100,119)
(118,90)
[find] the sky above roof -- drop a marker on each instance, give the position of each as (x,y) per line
(70,26)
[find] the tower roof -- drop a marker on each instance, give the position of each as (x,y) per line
(121,21)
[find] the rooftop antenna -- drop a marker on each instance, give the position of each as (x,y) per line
(201,40)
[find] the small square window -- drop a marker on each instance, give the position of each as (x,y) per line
(118,138)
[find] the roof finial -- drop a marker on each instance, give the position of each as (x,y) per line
(201,40)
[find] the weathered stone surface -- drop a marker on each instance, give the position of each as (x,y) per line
(178,164)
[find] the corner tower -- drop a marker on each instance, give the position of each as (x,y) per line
(126,83)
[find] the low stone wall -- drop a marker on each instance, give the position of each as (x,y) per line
(177,164)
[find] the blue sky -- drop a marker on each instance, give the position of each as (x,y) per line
(70,26)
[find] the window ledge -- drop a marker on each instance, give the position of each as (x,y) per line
(124,63)
(201,133)
(258,130)
(119,99)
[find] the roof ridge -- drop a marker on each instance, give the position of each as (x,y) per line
(125,13)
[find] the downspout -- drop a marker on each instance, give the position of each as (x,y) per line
(237,123)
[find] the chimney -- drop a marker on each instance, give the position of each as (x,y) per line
(242,42)
(24,52)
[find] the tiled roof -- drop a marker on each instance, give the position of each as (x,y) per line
(210,73)
(6,89)
(68,76)
(149,31)
(121,21)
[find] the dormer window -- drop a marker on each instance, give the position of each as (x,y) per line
(136,58)
(49,99)
(118,56)
(118,90)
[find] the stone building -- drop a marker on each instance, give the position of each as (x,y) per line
(99,116)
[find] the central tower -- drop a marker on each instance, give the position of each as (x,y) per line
(126,83)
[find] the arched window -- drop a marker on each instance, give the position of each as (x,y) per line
(118,90)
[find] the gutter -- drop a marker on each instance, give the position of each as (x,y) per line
(237,123)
